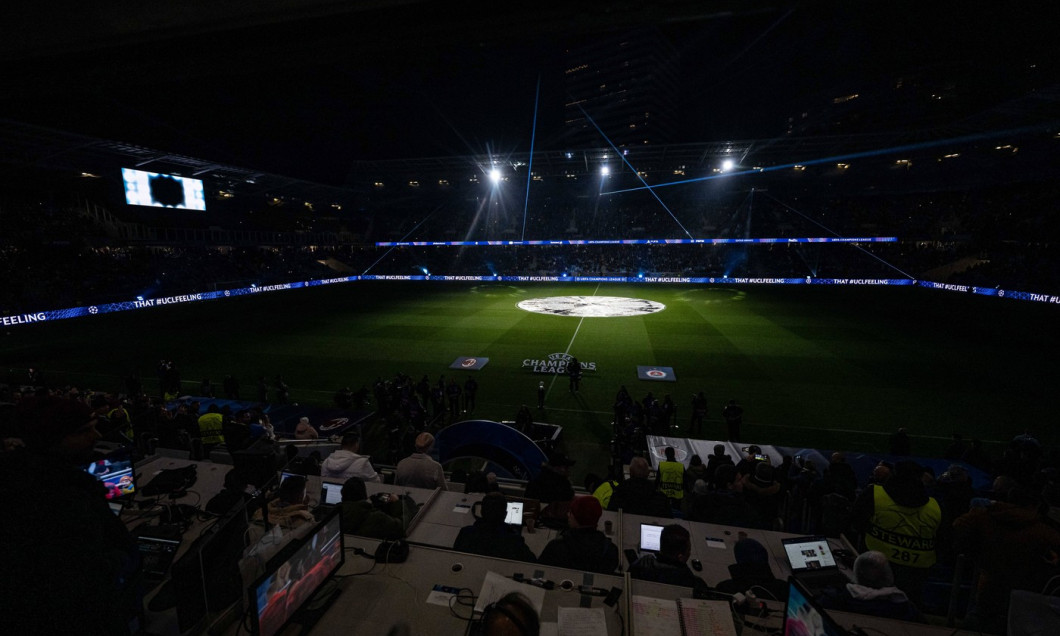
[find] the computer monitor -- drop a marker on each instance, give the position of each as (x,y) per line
(294,575)
(804,617)
(115,472)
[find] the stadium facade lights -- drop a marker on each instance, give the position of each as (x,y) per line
(89,175)
(443,182)
(679,172)
(842,166)
(140,298)
(903,162)
(495,175)
(568,155)
(336,206)
(952,155)
(414,184)
(799,167)
(537,177)
(378,184)
(727,164)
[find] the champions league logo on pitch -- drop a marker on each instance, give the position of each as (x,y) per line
(555,363)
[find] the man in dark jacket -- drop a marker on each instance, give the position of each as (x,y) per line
(638,495)
(752,570)
(675,546)
(582,546)
(552,484)
(490,536)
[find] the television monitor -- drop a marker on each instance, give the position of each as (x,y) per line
(115,472)
(294,575)
(162,190)
(804,617)
(206,578)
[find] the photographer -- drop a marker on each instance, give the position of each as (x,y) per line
(381,516)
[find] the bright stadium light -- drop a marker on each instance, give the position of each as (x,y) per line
(727,165)
(604,171)
(495,175)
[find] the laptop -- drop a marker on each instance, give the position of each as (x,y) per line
(158,546)
(330,497)
(650,536)
(813,564)
(514,518)
(804,616)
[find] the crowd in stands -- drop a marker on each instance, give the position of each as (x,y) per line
(56,255)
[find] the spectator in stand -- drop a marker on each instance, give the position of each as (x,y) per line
(726,504)
(382,516)
(638,494)
(696,471)
(304,430)
(762,491)
(490,536)
(752,572)
(419,470)
(715,459)
(552,484)
(670,479)
(675,546)
(347,462)
(899,519)
(582,546)
(1015,547)
(873,592)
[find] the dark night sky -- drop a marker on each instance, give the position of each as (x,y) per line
(306,97)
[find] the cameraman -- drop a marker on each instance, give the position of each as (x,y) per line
(381,516)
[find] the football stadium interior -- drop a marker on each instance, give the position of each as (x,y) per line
(562,237)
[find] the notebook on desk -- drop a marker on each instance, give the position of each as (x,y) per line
(813,564)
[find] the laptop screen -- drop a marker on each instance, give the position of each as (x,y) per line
(157,554)
(803,617)
(115,472)
(809,553)
(515,513)
(330,494)
(650,536)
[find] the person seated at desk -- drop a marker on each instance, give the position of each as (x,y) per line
(582,546)
(490,536)
(638,494)
(675,546)
(752,570)
(348,462)
(419,469)
(383,516)
(289,509)
(234,492)
(873,592)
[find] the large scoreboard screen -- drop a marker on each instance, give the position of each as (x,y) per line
(162,190)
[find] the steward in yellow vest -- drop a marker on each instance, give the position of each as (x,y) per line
(671,478)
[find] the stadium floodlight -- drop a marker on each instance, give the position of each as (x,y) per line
(604,171)
(495,175)
(727,165)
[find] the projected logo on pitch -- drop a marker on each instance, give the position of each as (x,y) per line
(555,363)
(591,306)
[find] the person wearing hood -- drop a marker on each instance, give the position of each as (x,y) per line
(670,565)
(1014,547)
(582,546)
(899,519)
(873,592)
(347,462)
(752,570)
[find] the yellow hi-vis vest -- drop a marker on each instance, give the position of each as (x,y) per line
(210,427)
(906,535)
(672,479)
(604,491)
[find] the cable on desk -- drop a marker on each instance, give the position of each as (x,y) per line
(467,601)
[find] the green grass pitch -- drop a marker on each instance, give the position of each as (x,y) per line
(813,366)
